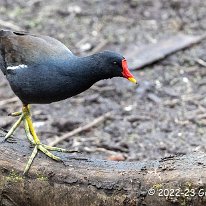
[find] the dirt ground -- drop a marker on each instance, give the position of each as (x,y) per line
(164,116)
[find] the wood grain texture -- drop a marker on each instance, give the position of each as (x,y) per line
(82,181)
(148,54)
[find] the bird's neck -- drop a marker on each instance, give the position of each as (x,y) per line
(93,68)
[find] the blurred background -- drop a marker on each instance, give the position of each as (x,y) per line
(164,116)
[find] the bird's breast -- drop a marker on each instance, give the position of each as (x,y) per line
(42,85)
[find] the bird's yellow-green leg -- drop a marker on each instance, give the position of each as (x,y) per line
(57,149)
(31,158)
(33,138)
(30,138)
(14,127)
(27,131)
(15,114)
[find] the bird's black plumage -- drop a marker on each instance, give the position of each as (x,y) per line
(40,69)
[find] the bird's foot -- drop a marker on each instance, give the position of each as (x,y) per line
(15,114)
(45,149)
(25,112)
(33,138)
(42,147)
(25,116)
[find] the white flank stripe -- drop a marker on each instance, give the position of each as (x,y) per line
(21,66)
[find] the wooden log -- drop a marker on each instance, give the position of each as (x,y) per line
(81,181)
(138,58)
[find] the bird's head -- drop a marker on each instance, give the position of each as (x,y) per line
(117,66)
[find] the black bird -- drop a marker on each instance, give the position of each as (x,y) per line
(41,70)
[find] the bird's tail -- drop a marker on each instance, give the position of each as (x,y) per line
(2,62)
(3,33)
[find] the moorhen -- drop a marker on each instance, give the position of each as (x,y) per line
(41,70)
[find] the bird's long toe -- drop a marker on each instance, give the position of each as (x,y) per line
(58,149)
(15,114)
(43,149)
(13,128)
(10,139)
(31,158)
(49,154)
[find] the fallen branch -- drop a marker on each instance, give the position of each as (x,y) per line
(141,57)
(201,62)
(81,129)
(10,25)
(9,101)
(176,180)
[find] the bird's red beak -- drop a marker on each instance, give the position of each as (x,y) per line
(126,73)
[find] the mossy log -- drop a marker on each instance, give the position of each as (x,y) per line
(83,181)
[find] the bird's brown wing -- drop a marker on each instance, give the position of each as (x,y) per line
(21,48)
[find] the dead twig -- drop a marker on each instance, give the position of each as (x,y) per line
(8,101)
(172,102)
(201,62)
(10,25)
(138,118)
(81,129)
(3,84)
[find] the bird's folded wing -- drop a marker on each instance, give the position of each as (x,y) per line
(21,48)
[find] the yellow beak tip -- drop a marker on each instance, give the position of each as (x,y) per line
(131,79)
